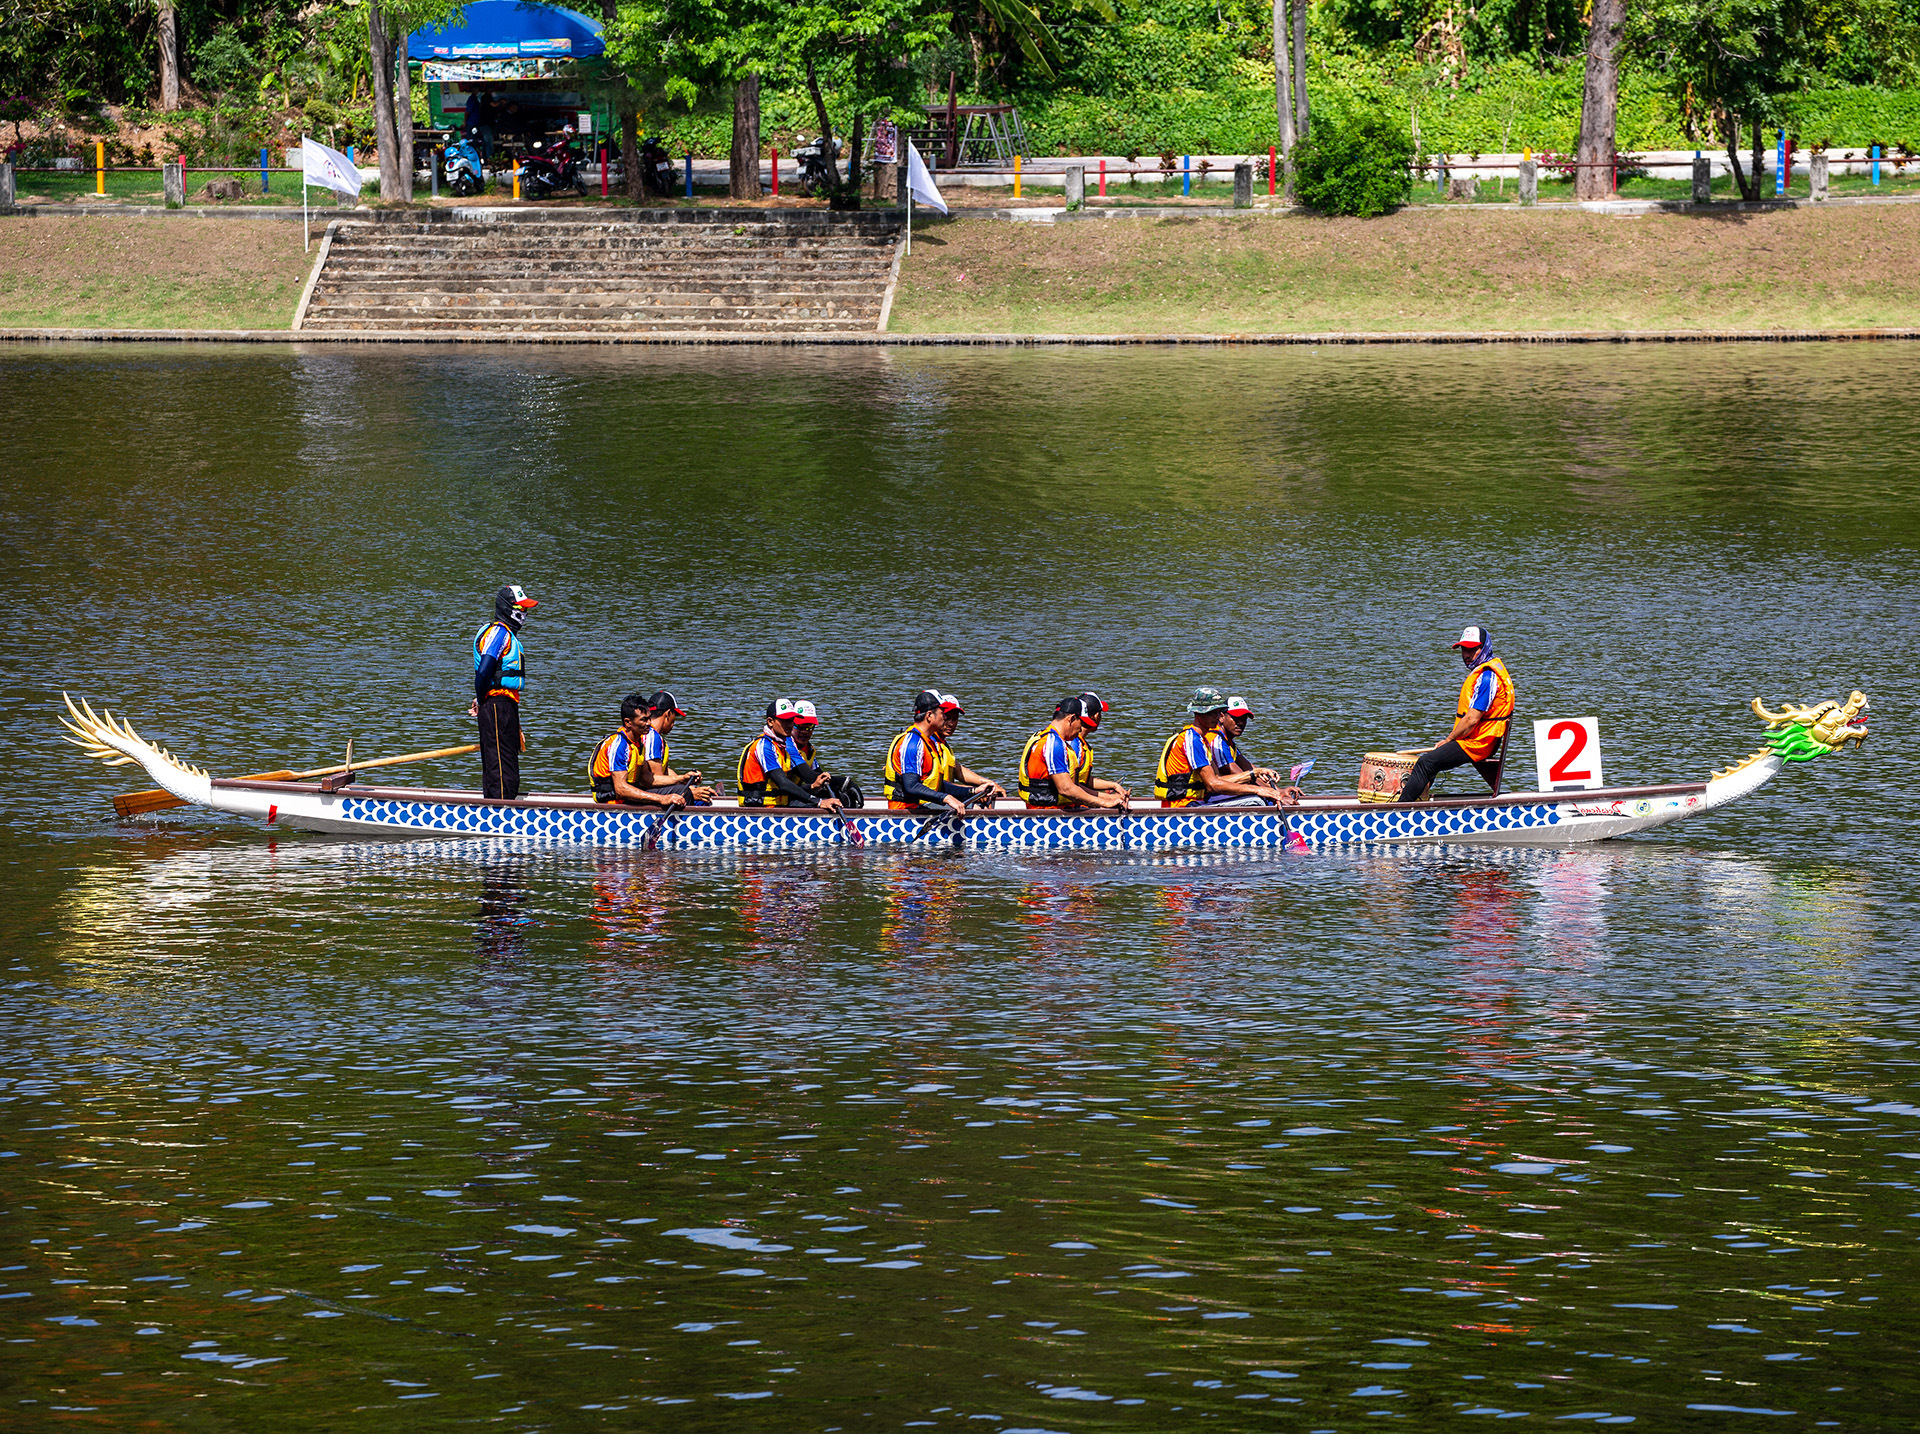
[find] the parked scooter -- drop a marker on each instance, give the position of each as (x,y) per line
(657,174)
(462,170)
(548,169)
(819,165)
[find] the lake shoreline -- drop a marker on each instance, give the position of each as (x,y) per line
(1422,275)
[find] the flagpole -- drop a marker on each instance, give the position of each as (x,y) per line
(306,224)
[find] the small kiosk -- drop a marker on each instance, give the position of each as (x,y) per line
(534,64)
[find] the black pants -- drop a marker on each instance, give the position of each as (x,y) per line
(1443,758)
(500,747)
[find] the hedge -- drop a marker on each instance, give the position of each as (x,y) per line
(1517,104)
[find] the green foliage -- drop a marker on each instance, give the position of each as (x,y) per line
(222,62)
(1356,164)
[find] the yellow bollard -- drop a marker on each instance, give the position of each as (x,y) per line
(1016,176)
(516,179)
(99,167)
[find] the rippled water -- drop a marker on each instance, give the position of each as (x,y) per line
(297,1131)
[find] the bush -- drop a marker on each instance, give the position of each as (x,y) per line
(1356,164)
(222,62)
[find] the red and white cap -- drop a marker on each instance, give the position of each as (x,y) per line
(781,708)
(950,703)
(1474,636)
(1237,707)
(805,713)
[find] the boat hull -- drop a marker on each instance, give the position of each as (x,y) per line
(1521,819)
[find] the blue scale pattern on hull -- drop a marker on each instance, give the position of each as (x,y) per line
(1153,830)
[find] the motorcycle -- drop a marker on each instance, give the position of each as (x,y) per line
(819,165)
(656,169)
(462,170)
(550,168)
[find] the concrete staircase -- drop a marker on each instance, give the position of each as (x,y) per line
(634,272)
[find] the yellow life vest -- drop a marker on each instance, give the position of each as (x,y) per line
(1038,788)
(1179,789)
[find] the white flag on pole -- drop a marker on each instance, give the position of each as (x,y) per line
(920,183)
(329,169)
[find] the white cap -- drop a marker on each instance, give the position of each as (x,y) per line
(781,708)
(804,711)
(1473,636)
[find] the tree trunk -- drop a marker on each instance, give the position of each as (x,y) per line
(403,111)
(1283,82)
(1730,131)
(169,57)
(850,193)
(743,160)
(380,52)
(1600,102)
(1759,151)
(1302,113)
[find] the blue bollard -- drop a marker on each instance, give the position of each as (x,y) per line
(1875,153)
(1780,163)
(263,171)
(1186,174)
(689,176)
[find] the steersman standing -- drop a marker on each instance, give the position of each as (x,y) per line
(499,677)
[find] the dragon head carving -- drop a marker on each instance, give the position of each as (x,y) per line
(1800,734)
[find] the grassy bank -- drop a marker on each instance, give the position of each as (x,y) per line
(150,273)
(1420,269)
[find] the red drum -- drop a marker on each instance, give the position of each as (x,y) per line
(1382,774)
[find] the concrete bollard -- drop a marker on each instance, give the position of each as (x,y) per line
(6,186)
(1243,186)
(1702,179)
(173,185)
(1076,186)
(1817,173)
(902,191)
(1529,181)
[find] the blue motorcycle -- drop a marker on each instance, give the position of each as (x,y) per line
(462,169)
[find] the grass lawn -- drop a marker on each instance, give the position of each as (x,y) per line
(150,273)
(1421,269)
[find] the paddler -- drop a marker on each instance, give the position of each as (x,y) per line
(984,789)
(617,762)
(1480,719)
(772,771)
(922,774)
(1056,766)
(1233,724)
(1194,768)
(499,676)
(663,710)
(806,721)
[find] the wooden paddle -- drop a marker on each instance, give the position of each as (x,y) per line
(133,804)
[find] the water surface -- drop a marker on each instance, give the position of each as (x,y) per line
(298,1131)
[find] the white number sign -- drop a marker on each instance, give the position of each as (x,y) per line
(1567,752)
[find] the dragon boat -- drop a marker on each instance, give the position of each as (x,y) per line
(340,804)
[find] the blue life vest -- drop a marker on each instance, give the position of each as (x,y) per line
(513,660)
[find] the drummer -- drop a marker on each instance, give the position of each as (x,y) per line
(1480,719)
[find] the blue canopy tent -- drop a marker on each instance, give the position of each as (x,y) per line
(509,30)
(529,56)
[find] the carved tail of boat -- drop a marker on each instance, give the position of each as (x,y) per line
(113,740)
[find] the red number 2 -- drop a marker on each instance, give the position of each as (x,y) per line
(1560,771)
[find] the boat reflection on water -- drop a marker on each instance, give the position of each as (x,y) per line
(631,901)
(780,906)
(500,929)
(920,896)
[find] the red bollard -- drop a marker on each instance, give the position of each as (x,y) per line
(603,171)
(1273,163)
(776,174)
(1103,179)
